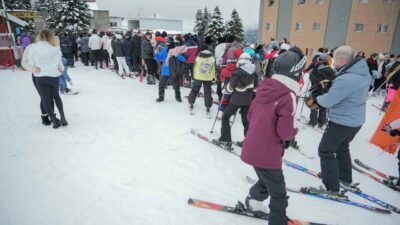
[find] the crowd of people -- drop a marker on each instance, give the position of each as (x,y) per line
(263,82)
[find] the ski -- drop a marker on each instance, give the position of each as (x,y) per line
(352,189)
(303,120)
(306,191)
(239,209)
(377,172)
(204,138)
(387,183)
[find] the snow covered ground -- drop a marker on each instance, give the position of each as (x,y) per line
(125,159)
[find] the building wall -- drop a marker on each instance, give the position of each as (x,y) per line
(309,14)
(337,24)
(285,13)
(270,16)
(396,39)
(153,23)
(101,20)
(371,15)
(260,18)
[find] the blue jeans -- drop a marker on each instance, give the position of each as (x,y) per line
(64,76)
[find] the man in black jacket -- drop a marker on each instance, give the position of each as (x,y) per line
(136,52)
(148,57)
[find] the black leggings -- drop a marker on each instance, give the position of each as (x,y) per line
(151,66)
(49,90)
(42,109)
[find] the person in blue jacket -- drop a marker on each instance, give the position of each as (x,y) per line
(173,60)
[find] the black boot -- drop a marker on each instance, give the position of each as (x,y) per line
(45,120)
(178,98)
(56,122)
(63,121)
(160,99)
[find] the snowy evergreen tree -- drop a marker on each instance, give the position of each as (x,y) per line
(17,4)
(215,27)
(235,26)
(69,15)
(198,24)
(205,21)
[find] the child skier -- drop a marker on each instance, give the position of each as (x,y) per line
(272,124)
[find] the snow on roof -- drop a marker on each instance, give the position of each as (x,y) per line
(92,5)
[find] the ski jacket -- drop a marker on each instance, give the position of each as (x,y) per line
(65,45)
(119,50)
(395,78)
(95,42)
(346,99)
(137,46)
(105,42)
(271,122)
(84,43)
(147,49)
(242,84)
(47,57)
(204,67)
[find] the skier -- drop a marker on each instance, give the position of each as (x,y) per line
(120,53)
(105,41)
(241,85)
(393,83)
(45,57)
(136,43)
(64,78)
(219,54)
(192,50)
(394,130)
(85,50)
(128,48)
(95,46)
(272,124)
(346,104)
(203,74)
(148,57)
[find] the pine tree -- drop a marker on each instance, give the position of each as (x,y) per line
(215,27)
(17,4)
(205,21)
(198,24)
(235,26)
(70,15)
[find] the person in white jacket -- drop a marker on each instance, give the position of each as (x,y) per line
(44,59)
(95,44)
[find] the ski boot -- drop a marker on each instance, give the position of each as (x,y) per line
(191,107)
(227,145)
(256,207)
(208,114)
(322,191)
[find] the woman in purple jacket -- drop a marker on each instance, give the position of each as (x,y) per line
(272,125)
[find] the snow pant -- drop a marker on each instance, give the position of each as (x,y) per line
(49,91)
(188,72)
(129,62)
(85,58)
(136,64)
(379,82)
(334,153)
(64,76)
(115,62)
(208,100)
(225,126)
(151,66)
(163,84)
(105,58)
(271,182)
(97,57)
(42,109)
(318,117)
(122,66)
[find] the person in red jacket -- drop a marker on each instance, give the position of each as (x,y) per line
(272,125)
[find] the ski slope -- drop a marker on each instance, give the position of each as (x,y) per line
(125,160)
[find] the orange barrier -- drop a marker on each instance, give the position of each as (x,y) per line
(382,138)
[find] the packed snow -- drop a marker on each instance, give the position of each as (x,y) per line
(125,159)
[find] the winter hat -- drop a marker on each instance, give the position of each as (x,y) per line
(164,34)
(244,58)
(118,36)
(203,47)
(290,63)
(249,51)
(323,57)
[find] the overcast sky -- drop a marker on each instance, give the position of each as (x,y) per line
(183,9)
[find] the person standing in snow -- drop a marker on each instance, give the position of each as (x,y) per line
(393,83)
(219,58)
(148,57)
(137,49)
(45,57)
(272,125)
(120,53)
(95,46)
(105,41)
(394,130)
(241,85)
(192,50)
(346,105)
(203,75)
(85,50)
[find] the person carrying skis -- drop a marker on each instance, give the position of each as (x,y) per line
(394,130)
(241,85)
(393,83)
(203,74)
(346,104)
(272,125)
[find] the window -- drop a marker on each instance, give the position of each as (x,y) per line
(113,24)
(299,26)
(269,26)
(363,1)
(302,2)
(387,1)
(383,28)
(319,2)
(271,2)
(359,27)
(316,27)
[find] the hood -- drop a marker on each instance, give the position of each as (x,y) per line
(205,54)
(272,89)
(358,66)
(47,51)
(105,37)
(190,42)
(248,67)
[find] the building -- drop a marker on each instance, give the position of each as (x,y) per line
(118,24)
(171,26)
(368,25)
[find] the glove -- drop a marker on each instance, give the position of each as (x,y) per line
(312,103)
(394,133)
(286,144)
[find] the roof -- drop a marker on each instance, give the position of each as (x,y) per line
(14,19)
(92,5)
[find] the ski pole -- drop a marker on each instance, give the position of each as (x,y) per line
(216,116)
(388,78)
(304,97)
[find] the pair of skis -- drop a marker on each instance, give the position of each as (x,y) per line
(388,181)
